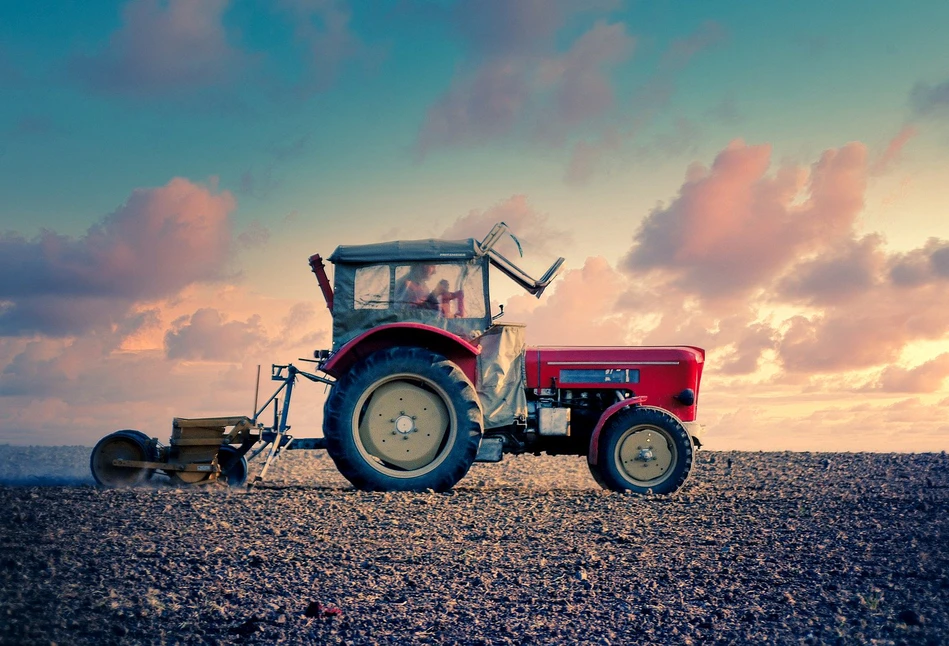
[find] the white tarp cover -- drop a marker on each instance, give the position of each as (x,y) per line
(501,375)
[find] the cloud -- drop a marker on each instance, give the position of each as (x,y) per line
(894,149)
(739,237)
(650,100)
(506,27)
(920,267)
(681,51)
(515,80)
(483,105)
(162,48)
(871,327)
(322,28)
(924,378)
(158,242)
(580,310)
(930,100)
(207,336)
(532,228)
(837,276)
(254,236)
(586,157)
(733,227)
(580,77)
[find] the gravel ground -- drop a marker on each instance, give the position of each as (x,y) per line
(785,548)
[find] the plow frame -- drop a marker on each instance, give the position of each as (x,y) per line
(193,454)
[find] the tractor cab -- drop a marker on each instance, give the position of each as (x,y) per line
(437,283)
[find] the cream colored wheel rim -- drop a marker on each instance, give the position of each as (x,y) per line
(645,455)
(402,426)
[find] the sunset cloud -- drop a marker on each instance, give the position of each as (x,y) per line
(207,336)
(159,241)
(894,150)
(531,227)
(924,378)
(733,227)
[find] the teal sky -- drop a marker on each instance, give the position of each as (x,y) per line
(803,76)
(303,124)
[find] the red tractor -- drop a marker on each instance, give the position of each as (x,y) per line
(427,382)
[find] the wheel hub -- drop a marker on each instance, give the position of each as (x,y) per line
(404,424)
(645,454)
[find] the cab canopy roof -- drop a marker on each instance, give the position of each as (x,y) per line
(407,251)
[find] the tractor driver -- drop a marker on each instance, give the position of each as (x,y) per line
(413,291)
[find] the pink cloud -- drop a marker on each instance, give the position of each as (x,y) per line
(157,243)
(921,266)
(580,311)
(586,157)
(207,336)
(582,86)
(838,275)
(905,300)
(924,378)
(486,104)
(733,227)
(164,47)
(531,227)
(894,150)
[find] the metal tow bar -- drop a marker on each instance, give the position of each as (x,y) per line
(276,437)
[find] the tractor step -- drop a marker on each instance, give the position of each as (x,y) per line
(491,450)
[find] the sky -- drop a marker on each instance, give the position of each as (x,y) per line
(765,180)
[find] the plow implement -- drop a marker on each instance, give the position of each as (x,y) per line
(206,450)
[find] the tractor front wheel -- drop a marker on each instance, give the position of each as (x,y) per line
(403,419)
(643,450)
(121,445)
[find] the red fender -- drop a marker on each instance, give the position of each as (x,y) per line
(604,418)
(451,346)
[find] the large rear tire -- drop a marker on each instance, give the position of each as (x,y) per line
(644,450)
(403,419)
(122,445)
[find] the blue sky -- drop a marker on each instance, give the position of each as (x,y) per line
(325,123)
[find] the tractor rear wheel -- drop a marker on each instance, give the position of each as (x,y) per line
(403,419)
(643,450)
(121,445)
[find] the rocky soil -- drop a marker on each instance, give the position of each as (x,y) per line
(780,548)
